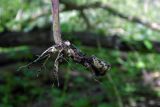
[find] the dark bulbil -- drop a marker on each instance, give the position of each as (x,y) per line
(98,67)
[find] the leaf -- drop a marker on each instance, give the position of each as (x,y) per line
(148,44)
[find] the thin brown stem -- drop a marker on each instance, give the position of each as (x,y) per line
(56,23)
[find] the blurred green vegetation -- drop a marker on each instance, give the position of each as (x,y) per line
(123,86)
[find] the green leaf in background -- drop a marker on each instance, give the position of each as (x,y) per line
(148,44)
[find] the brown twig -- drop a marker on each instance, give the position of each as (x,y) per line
(86,19)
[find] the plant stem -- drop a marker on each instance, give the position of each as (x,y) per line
(119,99)
(56,23)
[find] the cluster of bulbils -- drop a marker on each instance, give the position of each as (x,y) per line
(99,67)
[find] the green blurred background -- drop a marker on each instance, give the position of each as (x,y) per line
(125,33)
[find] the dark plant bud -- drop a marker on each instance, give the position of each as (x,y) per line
(100,67)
